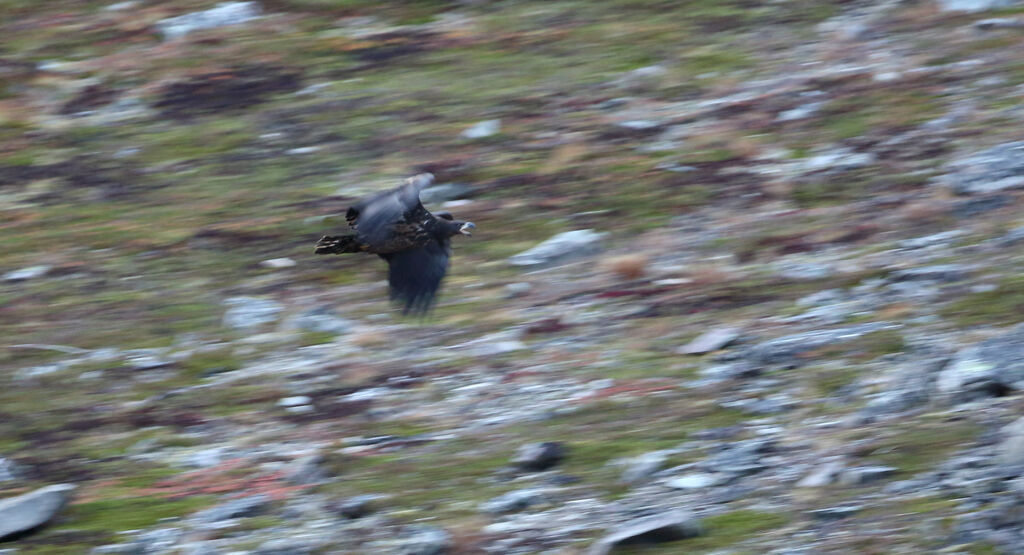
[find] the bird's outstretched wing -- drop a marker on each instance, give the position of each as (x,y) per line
(415,275)
(376,218)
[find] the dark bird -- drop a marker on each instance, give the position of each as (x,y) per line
(395,226)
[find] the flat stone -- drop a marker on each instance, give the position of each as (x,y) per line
(974,6)
(696,480)
(786,348)
(560,248)
(822,475)
(991,367)
(321,321)
(235,508)
(994,169)
(711,340)
(513,501)
(295,401)
(278,263)
(25,274)
(248,312)
(33,509)
(222,15)
(482,130)
(1011,449)
(865,474)
(641,467)
(937,272)
(422,539)
(668,527)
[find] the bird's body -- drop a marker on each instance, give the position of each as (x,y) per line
(415,243)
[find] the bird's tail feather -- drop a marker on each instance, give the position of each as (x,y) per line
(337,244)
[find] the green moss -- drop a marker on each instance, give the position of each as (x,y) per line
(1002,306)
(917,448)
(130,513)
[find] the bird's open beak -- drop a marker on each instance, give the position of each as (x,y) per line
(467,228)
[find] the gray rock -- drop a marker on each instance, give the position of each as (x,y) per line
(642,79)
(1012,237)
(306,470)
(222,15)
(321,321)
(859,475)
(445,192)
(278,263)
(938,272)
(644,466)
(25,274)
(935,240)
(286,546)
(9,470)
(974,6)
(711,340)
(973,207)
(33,509)
(539,456)
(1011,449)
(518,289)
(560,248)
(801,112)
(995,169)
(236,508)
(668,527)
(422,539)
(784,350)
(999,23)
(991,367)
(206,458)
(295,401)
(836,160)
(809,271)
(696,480)
(248,312)
(513,501)
(483,129)
(822,475)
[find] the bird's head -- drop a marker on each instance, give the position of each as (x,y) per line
(467,228)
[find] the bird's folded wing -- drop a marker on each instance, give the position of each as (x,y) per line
(414,276)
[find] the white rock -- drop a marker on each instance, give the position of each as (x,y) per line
(483,129)
(974,6)
(561,247)
(247,312)
(25,274)
(695,480)
(221,15)
(25,512)
(295,401)
(711,340)
(303,150)
(278,263)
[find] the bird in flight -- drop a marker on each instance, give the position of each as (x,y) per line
(416,244)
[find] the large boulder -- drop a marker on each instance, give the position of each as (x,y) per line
(33,509)
(992,367)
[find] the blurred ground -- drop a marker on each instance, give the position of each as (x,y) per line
(832,188)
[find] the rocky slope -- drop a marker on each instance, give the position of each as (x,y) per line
(783,314)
